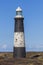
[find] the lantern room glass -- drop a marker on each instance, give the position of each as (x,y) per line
(19,13)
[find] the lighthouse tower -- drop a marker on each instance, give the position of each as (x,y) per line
(19,39)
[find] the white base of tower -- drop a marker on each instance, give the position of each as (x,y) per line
(19,39)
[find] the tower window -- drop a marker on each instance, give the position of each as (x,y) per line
(15,40)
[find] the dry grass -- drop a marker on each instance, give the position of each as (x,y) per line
(32,58)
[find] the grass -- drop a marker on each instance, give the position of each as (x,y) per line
(32,58)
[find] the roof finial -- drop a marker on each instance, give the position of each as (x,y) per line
(19,9)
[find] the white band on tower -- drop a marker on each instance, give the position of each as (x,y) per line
(19,39)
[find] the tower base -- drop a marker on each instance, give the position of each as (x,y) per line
(19,52)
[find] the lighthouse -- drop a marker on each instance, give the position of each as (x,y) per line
(19,37)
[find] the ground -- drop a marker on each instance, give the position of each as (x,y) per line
(32,58)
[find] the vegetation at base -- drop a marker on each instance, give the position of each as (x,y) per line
(32,58)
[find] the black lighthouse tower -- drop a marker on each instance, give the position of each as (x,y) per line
(19,39)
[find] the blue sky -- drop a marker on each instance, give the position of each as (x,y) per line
(33,24)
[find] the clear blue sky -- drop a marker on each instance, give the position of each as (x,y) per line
(33,24)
